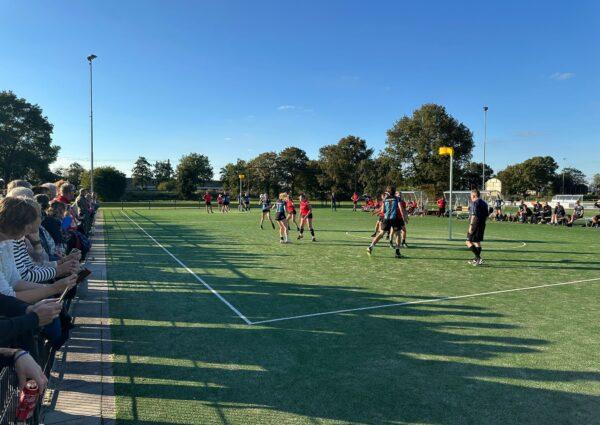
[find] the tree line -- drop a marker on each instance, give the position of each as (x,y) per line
(409,160)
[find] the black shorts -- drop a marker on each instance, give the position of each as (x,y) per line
(477,232)
(280,216)
(309,215)
(292,212)
(207,203)
(266,210)
(394,223)
(226,204)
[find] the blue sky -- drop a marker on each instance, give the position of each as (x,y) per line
(232,79)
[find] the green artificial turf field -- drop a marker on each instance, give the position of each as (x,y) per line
(184,356)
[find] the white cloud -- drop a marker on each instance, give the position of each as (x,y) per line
(561,76)
(286,107)
(227,139)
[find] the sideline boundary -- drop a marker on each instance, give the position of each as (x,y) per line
(190,271)
(348,310)
(428,301)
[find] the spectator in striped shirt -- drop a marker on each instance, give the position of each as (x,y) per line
(16,216)
(33,265)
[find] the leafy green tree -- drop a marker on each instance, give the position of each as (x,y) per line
(535,174)
(413,143)
(573,181)
(264,173)
(230,175)
(340,164)
(163,171)
(376,174)
(73,173)
(293,163)
(141,173)
(26,148)
(470,175)
(595,184)
(109,183)
(192,170)
(313,174)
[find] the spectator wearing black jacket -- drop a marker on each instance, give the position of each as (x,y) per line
(19,319)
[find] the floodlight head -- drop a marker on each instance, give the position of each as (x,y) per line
(90,58)
(485,108)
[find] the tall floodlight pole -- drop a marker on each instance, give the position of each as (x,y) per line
(90,58)
(485,109)
(563,176)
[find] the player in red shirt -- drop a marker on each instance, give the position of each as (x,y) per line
(207,201)
(355,199)
(378,210)
(441,203)
(291,210)
(306,217)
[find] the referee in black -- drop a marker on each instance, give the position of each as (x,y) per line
(478,214)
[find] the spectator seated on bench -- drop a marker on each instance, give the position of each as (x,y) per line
(577,213)
(546,214)
(559,216)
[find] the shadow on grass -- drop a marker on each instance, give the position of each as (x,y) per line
(175,342)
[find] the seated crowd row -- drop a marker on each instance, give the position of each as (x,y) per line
(44,238)
(543,213)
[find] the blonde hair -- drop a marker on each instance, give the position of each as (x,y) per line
(16,213)
(18,183)
(20,192)
(282,195)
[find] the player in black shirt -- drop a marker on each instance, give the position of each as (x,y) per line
(478,212)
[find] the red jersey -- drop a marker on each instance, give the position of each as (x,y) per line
(304,207)
(441,203)
(379,206)
(290,205)
(355,197)
(207,197)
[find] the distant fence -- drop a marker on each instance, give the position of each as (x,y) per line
(200,204)
(9,391)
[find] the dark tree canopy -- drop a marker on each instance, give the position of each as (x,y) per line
(293,163)
(163,171)
(192,170)
(109,183)
(376,174)
(571,181)
(263,172)
(341,164)
(471,175)
(413,143)
(230,175)
(535,174)
(26,149)
(142,173)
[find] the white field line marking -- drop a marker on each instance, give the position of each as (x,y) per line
(198,278)
(523,244)
(435,300)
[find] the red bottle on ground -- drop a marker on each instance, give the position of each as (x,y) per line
(27,401)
